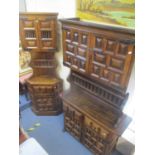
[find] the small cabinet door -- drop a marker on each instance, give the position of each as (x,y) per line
(76,49)
(47,33)
(28,27)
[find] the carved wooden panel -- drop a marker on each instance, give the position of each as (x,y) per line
(111,60)
(94,137)
(76,45)
(104,53)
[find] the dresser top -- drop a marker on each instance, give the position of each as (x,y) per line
(43,80)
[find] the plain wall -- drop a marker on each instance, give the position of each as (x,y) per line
(65,8)
(22,6)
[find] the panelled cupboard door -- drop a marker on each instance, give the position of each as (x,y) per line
(111,60)
(75,45)
(47,34)
(28,28)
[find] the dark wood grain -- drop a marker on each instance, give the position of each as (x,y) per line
(103,53)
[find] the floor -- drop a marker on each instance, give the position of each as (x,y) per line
(48,131)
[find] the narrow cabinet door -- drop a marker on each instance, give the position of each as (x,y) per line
(47,32)
(28,26)
(76,49)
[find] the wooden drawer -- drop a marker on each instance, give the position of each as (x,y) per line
(73,121)
(94,137)
(38,89)
(46,104)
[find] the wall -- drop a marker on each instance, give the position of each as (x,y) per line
(22,6)
(65,8)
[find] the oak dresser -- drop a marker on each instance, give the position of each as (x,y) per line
(100,58)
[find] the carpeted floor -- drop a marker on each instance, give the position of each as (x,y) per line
(48,131)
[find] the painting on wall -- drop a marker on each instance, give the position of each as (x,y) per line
(115,12)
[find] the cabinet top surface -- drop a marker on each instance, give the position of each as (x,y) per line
(78,21)
(43,80)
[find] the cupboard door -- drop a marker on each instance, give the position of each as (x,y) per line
(76,43)
(47,34)
(29,33)
(111,60)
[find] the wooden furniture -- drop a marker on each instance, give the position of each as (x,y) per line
(44,92)
(38,35)
(101,59)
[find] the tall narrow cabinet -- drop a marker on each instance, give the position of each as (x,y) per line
(38,33)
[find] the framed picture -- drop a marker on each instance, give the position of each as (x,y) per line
(115,12)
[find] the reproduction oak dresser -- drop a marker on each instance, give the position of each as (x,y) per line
(100,58)
(38,33)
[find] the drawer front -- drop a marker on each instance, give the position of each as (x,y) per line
(39,90)
(46,104)
(94,137)
(94,127)
(73,121)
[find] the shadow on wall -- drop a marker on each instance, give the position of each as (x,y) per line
(125,147)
